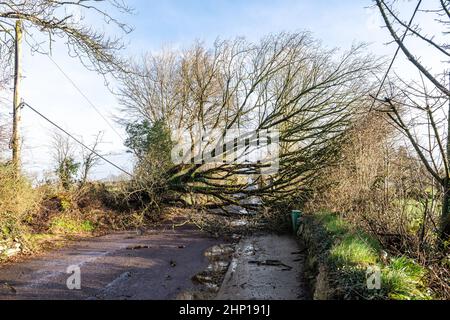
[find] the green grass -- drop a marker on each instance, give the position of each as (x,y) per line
(403,279)
(333,224)
(68,225)
(348,247)
(354,250)
(350,252)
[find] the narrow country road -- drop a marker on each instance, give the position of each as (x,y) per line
(156,265)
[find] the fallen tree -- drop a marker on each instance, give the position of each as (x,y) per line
(244,119)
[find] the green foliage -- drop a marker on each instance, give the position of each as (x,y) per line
(153,145)
(145,137)
(65,201)
(65,205)
(138,140)
(67,171)
(68,224)
(87,226)
(349,248)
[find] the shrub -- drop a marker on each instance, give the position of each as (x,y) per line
(18,200)
(67,172)
(152,144)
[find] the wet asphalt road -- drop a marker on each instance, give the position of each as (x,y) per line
(266,267)
(158,265)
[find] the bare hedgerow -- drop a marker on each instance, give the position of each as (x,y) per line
(425,98)
(381,187)
(379,184)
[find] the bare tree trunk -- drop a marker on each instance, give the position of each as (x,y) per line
(445,219)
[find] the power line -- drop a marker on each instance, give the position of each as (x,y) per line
(76,87)
(75,139)
(396,53)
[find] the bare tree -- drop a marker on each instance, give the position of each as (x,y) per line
(420,108)
(5,72)
(285,83)
(55,20)
(63,152)
(90,158)
(4,138)
(66,20)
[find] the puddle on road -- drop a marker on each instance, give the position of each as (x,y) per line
(208,282)
(219,252)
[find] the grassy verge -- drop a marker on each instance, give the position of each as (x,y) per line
(340,256)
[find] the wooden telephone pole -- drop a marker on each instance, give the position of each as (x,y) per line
(15,142)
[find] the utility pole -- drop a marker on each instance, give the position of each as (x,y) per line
(15,142)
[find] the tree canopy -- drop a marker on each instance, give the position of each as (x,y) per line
(286,83)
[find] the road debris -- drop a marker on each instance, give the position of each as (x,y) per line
(209,281)
(10,249)
(271,263)
(201,278)
(238,223)
(140,247)
(299,252)
(9,288)
(260,270)
(218,266)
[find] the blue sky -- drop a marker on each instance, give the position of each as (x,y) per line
(176,24)
(179,22)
